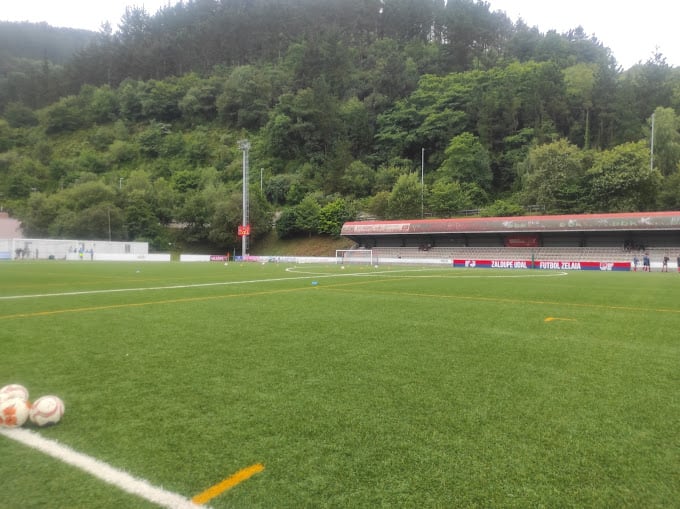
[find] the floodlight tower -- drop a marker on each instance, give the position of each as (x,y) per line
(244,145)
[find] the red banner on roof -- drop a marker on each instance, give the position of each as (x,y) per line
(521,241)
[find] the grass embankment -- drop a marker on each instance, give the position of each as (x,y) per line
(303,246)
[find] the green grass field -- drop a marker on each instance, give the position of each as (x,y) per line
(374,387)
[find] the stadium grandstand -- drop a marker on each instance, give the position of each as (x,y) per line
(606,238)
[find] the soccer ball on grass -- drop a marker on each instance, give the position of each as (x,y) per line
(13,391)
(14,412)
(46,410)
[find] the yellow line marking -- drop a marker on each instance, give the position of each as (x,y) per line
(553,318)
(336,288)
(149,303)
(227,483)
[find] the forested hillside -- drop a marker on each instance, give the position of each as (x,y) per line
(32,58)
(349,106)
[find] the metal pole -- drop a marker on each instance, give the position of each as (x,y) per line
(261,172)
(422,183)
(651,150)
(245,146)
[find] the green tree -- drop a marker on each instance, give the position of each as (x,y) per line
(6,141)
(378,204)
(666,140)
(141,221)
(387,176)
(580,80)
(287,224)
(151,139)
(19,115)
(224,211)
(333,215)
(669,195)
(226,217)
(261,215)
(160,100)
(304,126)
(122,152)
(199,103)
(445,199)
(25,174)
(130,94)
(41,212)
(357,126)
(357,180)
(405,198)
(276,188)
(552,177)
(196,212)
(473,34)
(96,221)
(104,106)
(246,97)
(620,180)
(502,208)
(467,161)
(308,213)
(64,116)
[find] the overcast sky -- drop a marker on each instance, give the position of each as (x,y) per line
(632,30)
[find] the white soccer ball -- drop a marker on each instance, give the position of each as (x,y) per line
(47,410)
(13,391)
(14,412)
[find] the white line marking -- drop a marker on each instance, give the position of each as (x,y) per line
(291,270)
(101,470)
(195,285)
(145,288)
(456,275)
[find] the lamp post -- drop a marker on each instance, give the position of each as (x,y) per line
(244,145)
(422,183)
(651,147)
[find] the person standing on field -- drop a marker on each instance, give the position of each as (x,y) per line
(664,267)
(646,266)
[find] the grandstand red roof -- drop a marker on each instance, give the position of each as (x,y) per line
(519,224)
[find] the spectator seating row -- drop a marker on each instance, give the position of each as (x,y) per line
(600,254)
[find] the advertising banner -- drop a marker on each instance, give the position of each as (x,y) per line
(542,265)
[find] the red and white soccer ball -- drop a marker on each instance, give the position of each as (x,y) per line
(13,391)
(14,412)
(47,410)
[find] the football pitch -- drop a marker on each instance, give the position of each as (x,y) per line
(345,387)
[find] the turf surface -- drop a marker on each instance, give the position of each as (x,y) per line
(374,387)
